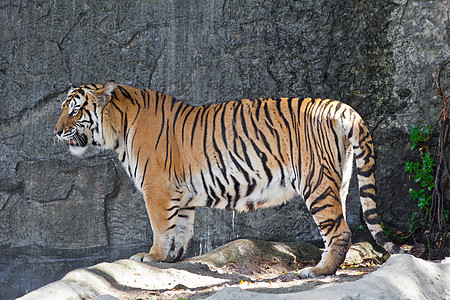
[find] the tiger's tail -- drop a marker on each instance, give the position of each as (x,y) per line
(361,141)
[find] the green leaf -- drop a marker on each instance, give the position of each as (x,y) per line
(408,166)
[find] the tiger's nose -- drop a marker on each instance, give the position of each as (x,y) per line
(58,132)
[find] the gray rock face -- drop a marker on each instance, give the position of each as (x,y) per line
(378,56)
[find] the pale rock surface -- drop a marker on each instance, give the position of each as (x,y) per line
(401,277)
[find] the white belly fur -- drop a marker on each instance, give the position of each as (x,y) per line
(262,196)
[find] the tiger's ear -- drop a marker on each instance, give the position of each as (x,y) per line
(105,92)
(71,89)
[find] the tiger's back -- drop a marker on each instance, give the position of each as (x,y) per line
(240,155)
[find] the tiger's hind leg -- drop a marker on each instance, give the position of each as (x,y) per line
(325,206)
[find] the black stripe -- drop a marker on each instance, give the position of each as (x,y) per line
(192,183)
(330,224)
(157,98)
(125,128)
(214,197)
(327,193)
(361,155)
(189,208)
(184,122)
(137,161)
(371,217)
(334,237)
(232,202)
(280,113)
(167,146)
(251,187)
(163,119)
(209,200)
(367,173)
(144,95)
(206,111)
(243,123)
(171,227)
(223,169)
(173,103)
(195,125)
(244,151)
(336,140)
(278,106)
(255,128)
(263,157)
(267,114)
(173,207)
(257,102)
(381,238)
(350,133)
(173,215)
(118,109)
(363,136)
(223,127)
(265,142)
(240,168)
(205,135)
(144,173)
(368,186)
(137,113)
(175,117)
(125,93)
(222,187)
(316,209)
(367,194)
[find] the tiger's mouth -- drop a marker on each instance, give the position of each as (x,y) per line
(77,140)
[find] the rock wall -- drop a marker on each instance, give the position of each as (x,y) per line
(378,56)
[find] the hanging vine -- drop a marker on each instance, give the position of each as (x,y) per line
(438,215)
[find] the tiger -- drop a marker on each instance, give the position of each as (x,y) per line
(238,155)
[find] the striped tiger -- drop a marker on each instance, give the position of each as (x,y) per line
(239,155)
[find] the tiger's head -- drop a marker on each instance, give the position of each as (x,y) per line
(80,122)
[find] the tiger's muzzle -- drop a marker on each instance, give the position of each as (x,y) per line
(73,137)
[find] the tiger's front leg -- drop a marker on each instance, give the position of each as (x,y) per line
(181,240)
(172,226)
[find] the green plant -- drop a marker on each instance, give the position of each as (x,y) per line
(420,134)
(422,171)
(446,214)
(362,227)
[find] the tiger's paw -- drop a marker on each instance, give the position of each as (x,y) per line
(143,257)
(313,272)
(308,273)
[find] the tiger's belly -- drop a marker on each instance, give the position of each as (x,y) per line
(271,195)
(239,192)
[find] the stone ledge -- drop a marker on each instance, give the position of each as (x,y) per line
(401,277)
